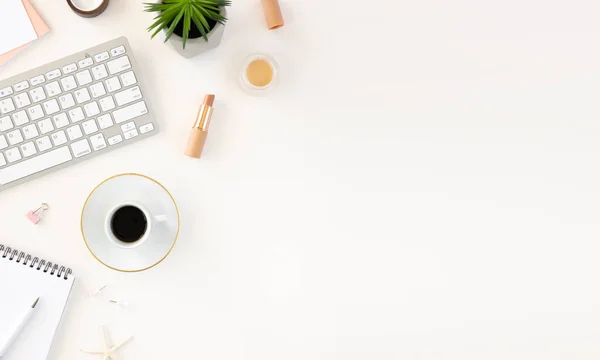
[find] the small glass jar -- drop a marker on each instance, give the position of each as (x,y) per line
(255,73)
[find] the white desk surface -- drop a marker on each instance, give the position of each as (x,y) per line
(423,184)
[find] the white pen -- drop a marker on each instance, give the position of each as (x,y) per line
(17,329)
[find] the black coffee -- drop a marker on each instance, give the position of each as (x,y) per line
(129,224)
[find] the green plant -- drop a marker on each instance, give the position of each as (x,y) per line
(172,12)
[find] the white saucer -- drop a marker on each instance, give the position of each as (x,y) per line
(129,188)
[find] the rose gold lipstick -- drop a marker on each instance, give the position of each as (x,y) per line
(199,131)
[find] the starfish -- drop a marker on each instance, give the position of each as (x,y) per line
(108,350)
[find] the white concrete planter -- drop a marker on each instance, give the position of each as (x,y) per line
(198,46)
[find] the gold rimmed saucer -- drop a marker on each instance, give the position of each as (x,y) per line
(123,188)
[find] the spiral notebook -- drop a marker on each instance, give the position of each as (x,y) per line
(24,277)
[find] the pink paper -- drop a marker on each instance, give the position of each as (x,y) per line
(40,27)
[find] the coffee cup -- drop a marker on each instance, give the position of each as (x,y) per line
(129,224)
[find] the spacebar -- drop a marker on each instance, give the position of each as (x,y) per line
(37,164)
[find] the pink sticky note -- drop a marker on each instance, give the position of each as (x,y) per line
(40,27)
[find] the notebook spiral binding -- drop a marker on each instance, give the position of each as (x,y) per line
(9,253)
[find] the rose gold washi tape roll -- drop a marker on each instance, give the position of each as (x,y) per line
(88,8)
(272,14)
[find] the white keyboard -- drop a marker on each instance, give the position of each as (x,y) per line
(70,110)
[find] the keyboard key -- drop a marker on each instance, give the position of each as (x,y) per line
(74,132)
(89,127)
(51,107)
(128,126)
(2,161)
(50,75)
(28,149)
(118,51)
(46,126)
(101,57)
(82,95)
(59,138)
(15,137)
(37,94)
(20,118)
(12,155)
(130,112)
(84,77)
(98,142)
(66,101)
(34,165)
(127,96)
(22,100)
(6,91)
(3,142)
(128,78)
(37,80)
(115,139)
(68,83)
(99,72)
(86,62)
(5,123)
(21,86)
(76,115)
(91,109)
(6,106)
(113,84)
(69,68)
(146,128)
(97,90)
(35,112)
(118,65)
(130,134)
(81,148)
(43,143)
(105,121)
(53,88)
(107,103)
(60,120)
(30,131)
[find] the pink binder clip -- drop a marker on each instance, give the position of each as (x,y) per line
(36,215)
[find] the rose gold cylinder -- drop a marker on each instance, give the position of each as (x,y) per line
(199,130)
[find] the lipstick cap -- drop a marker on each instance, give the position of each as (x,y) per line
(272,14)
